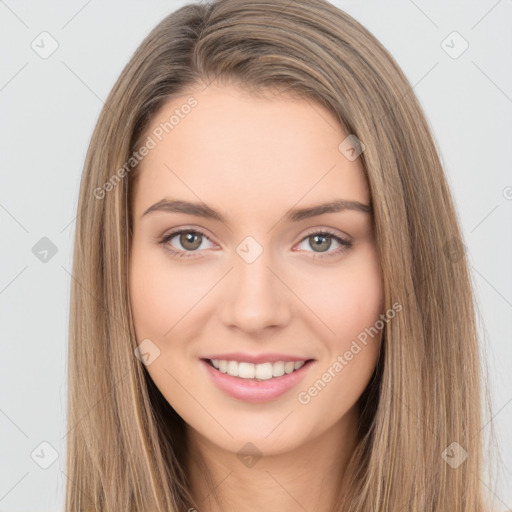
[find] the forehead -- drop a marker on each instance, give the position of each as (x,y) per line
(246,151)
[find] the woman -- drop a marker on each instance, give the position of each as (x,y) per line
(271,307)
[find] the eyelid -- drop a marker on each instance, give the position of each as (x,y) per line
(187,229)
(330,231)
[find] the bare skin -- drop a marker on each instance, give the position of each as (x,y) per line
(252,159)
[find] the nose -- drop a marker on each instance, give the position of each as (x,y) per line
(254,298)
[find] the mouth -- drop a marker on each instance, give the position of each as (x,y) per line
(257,372)
(253,384)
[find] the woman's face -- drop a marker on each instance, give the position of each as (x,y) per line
(229,263)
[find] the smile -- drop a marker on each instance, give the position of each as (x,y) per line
(256,383)
(263,371)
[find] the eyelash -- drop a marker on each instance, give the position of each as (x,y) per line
(344,243)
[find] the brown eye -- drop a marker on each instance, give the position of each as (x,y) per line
(320,242)
(185,243)
(190,240)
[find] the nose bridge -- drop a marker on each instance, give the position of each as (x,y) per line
(256,298)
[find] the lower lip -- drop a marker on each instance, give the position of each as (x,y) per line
(256,391)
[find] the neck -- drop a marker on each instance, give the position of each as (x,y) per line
(307,477)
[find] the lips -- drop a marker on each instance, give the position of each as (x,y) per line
(253,390)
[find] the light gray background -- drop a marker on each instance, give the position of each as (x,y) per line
(49,108)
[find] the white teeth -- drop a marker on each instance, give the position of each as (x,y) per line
(262,371)
(278,369)
(246,370)
(233,368)
(289,367)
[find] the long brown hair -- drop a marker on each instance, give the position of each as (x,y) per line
(126,445)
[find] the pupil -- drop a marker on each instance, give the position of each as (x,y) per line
(322,246)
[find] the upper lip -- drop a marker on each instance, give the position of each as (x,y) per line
(257,359)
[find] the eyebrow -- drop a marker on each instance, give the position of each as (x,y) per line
(292,215)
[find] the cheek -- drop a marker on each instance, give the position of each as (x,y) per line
(347,300)
(162,292)
(351,307)
(157,294)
